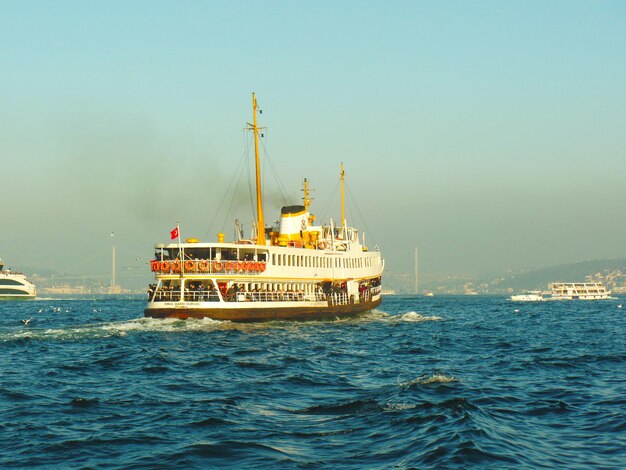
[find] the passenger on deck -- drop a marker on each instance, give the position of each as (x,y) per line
(213,296)
(230,293)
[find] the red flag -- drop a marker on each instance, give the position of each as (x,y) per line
(174,233)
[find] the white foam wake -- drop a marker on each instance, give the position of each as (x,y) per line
(110,329)
(417,317)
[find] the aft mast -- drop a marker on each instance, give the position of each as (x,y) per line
(343,206)
(260,239)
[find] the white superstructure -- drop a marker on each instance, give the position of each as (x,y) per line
(578,291)
(15,286)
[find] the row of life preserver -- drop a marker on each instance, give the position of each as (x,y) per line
(204,266)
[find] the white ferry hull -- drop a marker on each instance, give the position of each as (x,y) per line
(16,297)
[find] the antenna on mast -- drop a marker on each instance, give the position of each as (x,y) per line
(306,190)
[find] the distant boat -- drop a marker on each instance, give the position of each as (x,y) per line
(15,286)
(578,291)
(530,296)
(388,292)
(566,291)
(471,292)
(428,294)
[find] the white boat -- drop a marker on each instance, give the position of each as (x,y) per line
(295,270)
(530,296)
(15,286)
(578,291)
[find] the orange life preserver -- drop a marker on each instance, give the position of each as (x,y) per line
(218,266)
(189,265)
(176,266)
(154,265)
(228,265)
(239,266)
(204,266)
(249,266)
(262,266)
(165,266)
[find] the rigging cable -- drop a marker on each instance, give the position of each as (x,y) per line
(241,162)
(281,186)
(350,197)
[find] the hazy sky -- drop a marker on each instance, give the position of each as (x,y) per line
(490,134)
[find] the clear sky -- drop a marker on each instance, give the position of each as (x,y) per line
(490,134)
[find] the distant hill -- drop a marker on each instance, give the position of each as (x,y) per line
(612,272)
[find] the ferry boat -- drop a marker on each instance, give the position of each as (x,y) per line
(295,270)
(578,291)
(15,286)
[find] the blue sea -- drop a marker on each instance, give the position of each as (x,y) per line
(441,382)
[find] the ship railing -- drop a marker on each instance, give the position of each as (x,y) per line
(365,296)
(263,296)
(202,296)
(338,298)
(274,296)
(166,296)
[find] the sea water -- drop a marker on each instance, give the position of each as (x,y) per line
(439,382)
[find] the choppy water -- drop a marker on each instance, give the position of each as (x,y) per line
(443,382)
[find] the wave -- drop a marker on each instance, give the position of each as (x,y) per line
(417,317)
(435,378)
(112,329)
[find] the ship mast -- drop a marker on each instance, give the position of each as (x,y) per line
(343,207)
(260,238)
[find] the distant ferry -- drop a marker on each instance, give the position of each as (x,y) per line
(294,270)
(566,291)
(15,286)
(578,291)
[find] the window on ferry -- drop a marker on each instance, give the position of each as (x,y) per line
(198,253)
(10,282)
(229,254)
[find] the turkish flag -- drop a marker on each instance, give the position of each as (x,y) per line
(174,233)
